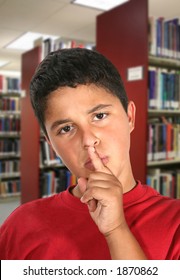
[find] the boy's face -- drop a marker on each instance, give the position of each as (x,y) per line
(77,118)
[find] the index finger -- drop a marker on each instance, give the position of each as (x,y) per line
(97,161)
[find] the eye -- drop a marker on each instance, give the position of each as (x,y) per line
(65,129)
(100,116)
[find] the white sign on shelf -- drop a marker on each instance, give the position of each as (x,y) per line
(135,73)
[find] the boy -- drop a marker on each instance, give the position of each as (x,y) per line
(80,102)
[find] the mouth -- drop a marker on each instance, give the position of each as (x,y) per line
(89,165)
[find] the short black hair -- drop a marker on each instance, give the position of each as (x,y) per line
(73,67)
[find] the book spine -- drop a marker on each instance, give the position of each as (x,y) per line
(164,37)
(10,188)
(165,181)
(55,181)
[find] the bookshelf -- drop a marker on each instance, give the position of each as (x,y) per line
(123,36)
(10,119)
(30,131)
(164,121)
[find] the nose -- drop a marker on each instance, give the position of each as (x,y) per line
(90,139)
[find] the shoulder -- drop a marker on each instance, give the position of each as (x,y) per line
(146,197)
(29,211)
(167,207)
(25,226)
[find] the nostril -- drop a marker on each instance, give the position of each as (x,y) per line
(90,140)
(96,142)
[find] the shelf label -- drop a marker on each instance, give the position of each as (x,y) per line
(135,73)
(23,93)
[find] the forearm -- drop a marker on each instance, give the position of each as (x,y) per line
(123,245)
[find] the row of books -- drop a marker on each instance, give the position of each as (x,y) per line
(51,182)
(164,37)
(10,123)
(48,156)
(166,182)
(164,89)
(9,84)
(10,188)
(10,103)
(9,147)
(55,181)
(50,44)
(9,166)
(163,139)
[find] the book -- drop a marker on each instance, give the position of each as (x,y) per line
(9,147)
(160,36)
(10,188)
(55,181)
(164,37)
(163,139)
(163,88)
(164,181)
(47,155)
(152,87)
(152,35)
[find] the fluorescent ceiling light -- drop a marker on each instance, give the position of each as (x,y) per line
(3,63)
(26,41)
(8,73)
(100,4)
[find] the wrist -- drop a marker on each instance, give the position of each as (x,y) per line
(123,245)
(117,231)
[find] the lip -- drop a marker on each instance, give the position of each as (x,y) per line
(89,165)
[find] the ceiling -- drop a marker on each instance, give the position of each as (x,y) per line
(56,17)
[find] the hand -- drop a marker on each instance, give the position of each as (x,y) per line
(102,192)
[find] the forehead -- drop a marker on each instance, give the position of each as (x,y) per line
(83,96)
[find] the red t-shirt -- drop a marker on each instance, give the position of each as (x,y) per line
(60,227)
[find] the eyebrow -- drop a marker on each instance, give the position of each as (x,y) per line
(98,107)
(92,110)
(59,122)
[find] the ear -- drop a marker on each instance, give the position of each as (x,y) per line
(131,112)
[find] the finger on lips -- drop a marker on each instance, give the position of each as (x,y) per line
(96,160)
(98,166)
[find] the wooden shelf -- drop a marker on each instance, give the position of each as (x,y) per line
(12,155)
(10,175)
(13,94)
(10,134)
(51,166)
(10,113)
(155,112)
(164,62)
(163,162)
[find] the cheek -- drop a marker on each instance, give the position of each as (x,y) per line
(120,138)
